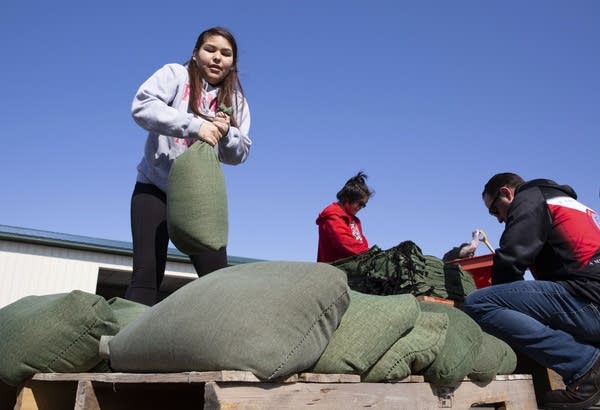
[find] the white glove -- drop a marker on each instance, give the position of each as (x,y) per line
(478,235)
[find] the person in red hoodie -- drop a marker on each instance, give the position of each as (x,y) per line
(340,231)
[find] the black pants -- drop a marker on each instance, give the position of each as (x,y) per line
(150,242)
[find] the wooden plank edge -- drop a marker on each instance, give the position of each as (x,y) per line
(230,376)
(328,378)
(182,377)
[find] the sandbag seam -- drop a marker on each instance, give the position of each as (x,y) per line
(310,329)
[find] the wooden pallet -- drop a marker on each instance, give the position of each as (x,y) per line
(242,390)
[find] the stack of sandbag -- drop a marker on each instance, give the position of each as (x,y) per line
(278,318)
(273,319)
(386,338)
(404,269)
(270,318)
(58,333)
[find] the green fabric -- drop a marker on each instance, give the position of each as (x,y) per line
(394,271)
(197,201)
(126,311)
(461,347)
(495,357)
(102,367)
(412,352)
(448,281)
(404,269)
(369,327)
(52,333)
(270,318)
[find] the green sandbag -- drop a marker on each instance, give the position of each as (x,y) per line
(126,311)
(369,327)
(270,318)
(197,201)
(413,352)
(495,357)
(461,347)
(57,333)
(448,281)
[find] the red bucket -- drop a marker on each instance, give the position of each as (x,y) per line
(480,268)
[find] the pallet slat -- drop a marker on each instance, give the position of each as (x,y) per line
(234,390)
(183,377)
(511,394)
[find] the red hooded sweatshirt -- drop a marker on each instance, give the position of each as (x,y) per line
(340,234)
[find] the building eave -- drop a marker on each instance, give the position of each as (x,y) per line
(86,243)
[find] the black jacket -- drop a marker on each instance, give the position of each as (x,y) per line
(555,236)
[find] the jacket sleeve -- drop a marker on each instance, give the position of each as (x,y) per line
(151,108)
(340,236)
(524,237)
(235,146)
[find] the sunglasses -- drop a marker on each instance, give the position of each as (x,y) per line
(362,204)
(492,209)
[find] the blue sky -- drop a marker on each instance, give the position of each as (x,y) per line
(429,98)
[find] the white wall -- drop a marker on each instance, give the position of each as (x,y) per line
(32,269)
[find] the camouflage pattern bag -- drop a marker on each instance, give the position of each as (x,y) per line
(400,269)
(404,269)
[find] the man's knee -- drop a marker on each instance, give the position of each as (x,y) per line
(471,305)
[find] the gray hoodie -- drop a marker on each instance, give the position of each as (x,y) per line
(160,106)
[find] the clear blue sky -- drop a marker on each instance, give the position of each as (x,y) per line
(429,98)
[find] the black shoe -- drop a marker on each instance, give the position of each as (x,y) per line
(584,393)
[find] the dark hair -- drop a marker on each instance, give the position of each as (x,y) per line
(355,189)
(499,180)
(229,85)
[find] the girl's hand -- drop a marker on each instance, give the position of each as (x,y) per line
(222,121)
(221,114)
(210,133)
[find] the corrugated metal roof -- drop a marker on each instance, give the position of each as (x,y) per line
(63,240)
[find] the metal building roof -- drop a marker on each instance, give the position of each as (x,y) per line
(86,243)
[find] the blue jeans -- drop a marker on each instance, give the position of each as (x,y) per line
(541,320)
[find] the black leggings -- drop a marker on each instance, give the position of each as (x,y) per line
(150,242)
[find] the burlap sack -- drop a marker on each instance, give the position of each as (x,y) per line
(57,333)
(461,347)
(197,201)
(495,357)
(369,327)
(413,352)
(270,318)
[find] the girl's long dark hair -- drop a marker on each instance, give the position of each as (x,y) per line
(228,86)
